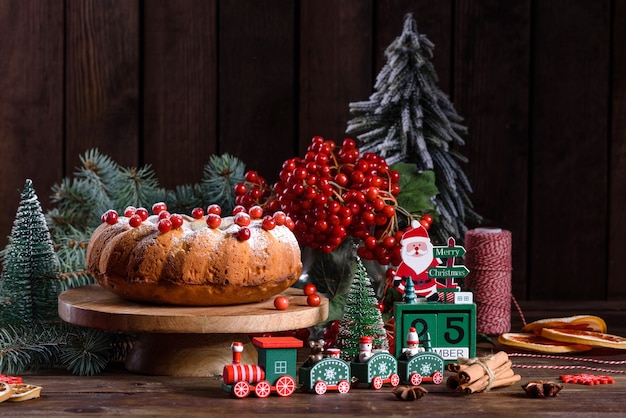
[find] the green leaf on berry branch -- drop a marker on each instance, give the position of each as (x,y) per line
(416,188)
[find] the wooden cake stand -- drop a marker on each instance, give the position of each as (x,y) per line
(185,341)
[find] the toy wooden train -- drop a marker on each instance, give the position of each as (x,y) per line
(276,370)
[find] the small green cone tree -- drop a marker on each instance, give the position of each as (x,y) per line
(361,316)
(409,119)
(29,283)
(39,263)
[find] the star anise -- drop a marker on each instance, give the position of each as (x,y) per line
(409,393)
(542,389)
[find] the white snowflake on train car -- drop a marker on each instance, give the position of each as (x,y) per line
(383,370)
(330,374)
(426,369)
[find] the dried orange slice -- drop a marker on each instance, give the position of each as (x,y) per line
(24,392)
(533,342)
(592,338)
(580,322)
(5,391)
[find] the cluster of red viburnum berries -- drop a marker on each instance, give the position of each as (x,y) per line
(332,193)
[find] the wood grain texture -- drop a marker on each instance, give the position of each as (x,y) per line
(102,80)
(95,307)
(257,90)
(31,102)
(180,88)
(568,201)
(335,66)
(617,191)
(541,85)
(118,392)
(491,85)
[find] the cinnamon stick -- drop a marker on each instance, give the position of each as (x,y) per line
(481,386)
(476,370)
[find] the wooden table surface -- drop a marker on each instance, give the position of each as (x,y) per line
(122,393)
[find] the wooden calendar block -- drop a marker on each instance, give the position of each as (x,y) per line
(444,328)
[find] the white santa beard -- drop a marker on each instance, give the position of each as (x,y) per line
(418,263)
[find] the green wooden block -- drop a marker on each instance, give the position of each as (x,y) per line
(444,328)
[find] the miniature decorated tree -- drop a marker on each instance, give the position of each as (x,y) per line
(40,264)
(409,119)
(361,316)
(29,283)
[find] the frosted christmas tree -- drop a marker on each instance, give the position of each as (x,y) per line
(409,119)
(29,283)
(39,263)
(361,317)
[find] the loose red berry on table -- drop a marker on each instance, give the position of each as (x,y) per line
(309,289)
(281,303)
(313,300)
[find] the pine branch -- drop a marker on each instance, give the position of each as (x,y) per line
(138,187)
(29,347)
(87,351)
(221,175)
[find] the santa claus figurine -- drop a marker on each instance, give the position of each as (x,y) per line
(417,258)
(412,342)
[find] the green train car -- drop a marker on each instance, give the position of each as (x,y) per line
(327,374)
(378,370)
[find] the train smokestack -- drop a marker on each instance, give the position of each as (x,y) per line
(237,349)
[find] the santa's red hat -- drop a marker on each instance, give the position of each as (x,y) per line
(417,232)
(365,340)
(411,336)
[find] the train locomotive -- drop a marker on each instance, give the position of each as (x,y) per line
(275,372)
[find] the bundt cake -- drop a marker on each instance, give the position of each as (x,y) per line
(198,260)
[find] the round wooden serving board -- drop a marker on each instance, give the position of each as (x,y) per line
(181,340)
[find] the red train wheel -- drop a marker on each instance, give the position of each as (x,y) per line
(377,383)
(241,389)
(263,389)
(394,380)
(285,385)
(437,377)
(320,387)
(343,386)
(415,379)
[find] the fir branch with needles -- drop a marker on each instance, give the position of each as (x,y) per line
(31,333)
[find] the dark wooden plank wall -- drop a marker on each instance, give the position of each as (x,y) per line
(540,84)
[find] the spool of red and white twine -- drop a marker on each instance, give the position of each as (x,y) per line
(488,257)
